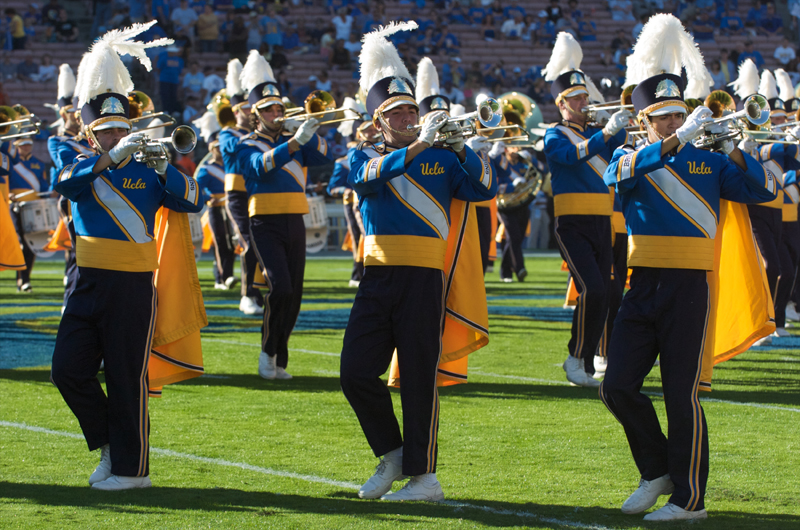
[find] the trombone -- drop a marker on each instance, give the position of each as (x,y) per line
(10,122)
(183,140)
(319,104)
(756,111)
(169,121)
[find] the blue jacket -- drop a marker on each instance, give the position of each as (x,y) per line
(338,184)
(210,177)
(63,151)
(228,139)
(577,157)
(671,203)
(28,175)
(114,211)
(406,208)
(276,180)
(782,159)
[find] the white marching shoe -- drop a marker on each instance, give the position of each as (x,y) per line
(229,281)
(791,312)
(420,488)
(266,366)
(353,283)
(781,332)
(103,469)
(647,494)
(600,365)
(389,469)
(220,287)
(764,341)
(670,512)
(248,306)
(577,375)
(116,483)
(281,373)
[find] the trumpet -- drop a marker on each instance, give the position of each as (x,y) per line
(320,104)
(756,112)
(183,140)
(591,111)
(488,115)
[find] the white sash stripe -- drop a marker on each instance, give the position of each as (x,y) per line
(596,162)
(80,148)
(791,190)
(296,170)
(293,167)
(28,175)
(123,212)
(423,204)
(216,172)
(684,199)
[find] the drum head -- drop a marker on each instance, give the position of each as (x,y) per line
(316,240)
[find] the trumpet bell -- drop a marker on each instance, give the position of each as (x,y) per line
(140,104)
(7,114)
(320,104)
(184,139)
(489,114)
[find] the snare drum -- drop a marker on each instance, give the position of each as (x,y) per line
(39,220)
(316,221)
(196,229)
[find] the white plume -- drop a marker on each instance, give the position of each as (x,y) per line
(457,109)
(566,55)
(233,83)
(664,46)
(379,57)
(768,87)
(352,109)
(256,71)
(427,79)
(747,82)
(101,69)
(66,81)
(595,96)
(208,124)
(698,90)
(785,85)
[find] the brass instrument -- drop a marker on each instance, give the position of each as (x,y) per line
(183,140)
(755,112)
(17,122)
(488,115)
(220,105)
(320,104)
(523,194)
(141,108)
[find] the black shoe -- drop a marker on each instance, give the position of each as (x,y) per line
(521,275)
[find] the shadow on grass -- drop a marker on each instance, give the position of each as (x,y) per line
(268,504)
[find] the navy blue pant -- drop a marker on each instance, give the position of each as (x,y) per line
(110,317)
(585,243)
(403,308)
(23,276)
(789,254)
(355,229)
(665,311)
(280,245)
(515,221)
(767,230)
(238,210)
(224,255)
(484,217)
(616,288)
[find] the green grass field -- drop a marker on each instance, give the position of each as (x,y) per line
(518,447)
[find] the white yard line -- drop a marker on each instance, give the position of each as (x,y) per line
(458,505)
(519,378)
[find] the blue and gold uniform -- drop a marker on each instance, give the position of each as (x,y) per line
(577,157)
(27,175)
(515,220)
(671,205)
(210,177)
(783,160)
(339,187)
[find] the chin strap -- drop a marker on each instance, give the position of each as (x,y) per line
(649,127)
(93,138)
(385,125)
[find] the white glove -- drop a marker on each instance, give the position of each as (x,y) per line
(497,149)
(433,122)
(126,147)
(693,126)
(306,131)
(290,125)
(749,146)
(602,117)
(161,167)
(618,121)
(456,143)
(726,146)
(795,131)
(479,144)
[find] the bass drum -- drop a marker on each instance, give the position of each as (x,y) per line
(316,221)
(196,229)
(39,220)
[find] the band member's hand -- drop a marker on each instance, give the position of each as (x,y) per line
(618,121)
(456,143)
(291,126)
(694,124)
(726,146)
(433,122)
(479,144)
(497,149)
(306,131)
(602,117)
(749,146)
(795,131)
(161,166)
(126,147)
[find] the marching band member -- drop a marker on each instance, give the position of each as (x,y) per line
(577,154)
(111,315)
(339,187)
(511,167)
(274,166)
(234,129)
(210,176)
(405,185)
(781,159)
(63,150)
(671,194)
(766,218)
(26,180)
